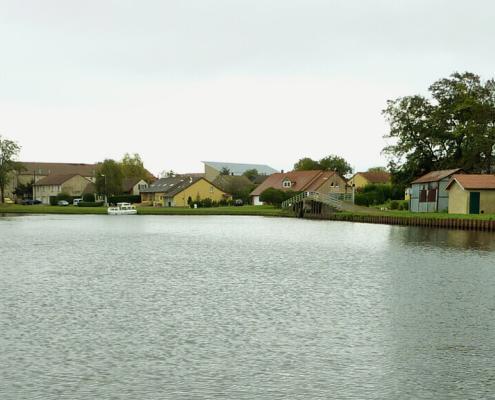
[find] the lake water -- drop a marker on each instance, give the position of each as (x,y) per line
(164,307)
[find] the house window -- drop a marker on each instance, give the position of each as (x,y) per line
(211,189)
(286,184)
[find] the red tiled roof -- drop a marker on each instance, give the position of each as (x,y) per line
(376,176)
(474,181)
(435,176)
(301,181)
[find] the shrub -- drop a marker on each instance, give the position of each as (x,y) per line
(124,198)
(90,204)
(89,198)
(276,196)
(404,205)
(394,205)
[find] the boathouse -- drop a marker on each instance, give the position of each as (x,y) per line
(429,192)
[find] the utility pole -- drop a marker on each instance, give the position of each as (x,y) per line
(106,199)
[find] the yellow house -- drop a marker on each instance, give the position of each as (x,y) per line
(180,191)
(361,179)
(472,194)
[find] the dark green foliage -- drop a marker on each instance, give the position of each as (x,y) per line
(24,190)
(378,193)
(225,171)
(394,205)
(251,174)
(455,128)
(9,150)
(124,198)
(329,163)
(90,204)
(276,196)
(89,198)
(208,203)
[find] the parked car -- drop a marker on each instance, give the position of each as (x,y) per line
(62,203)
(30,202)
(238,202)
(76,201)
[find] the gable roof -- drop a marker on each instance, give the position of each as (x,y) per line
(129,183)
(46,168)
(239,169)
(301,181)
(56,179)
(474,181)
(435,176)
(173,185)
(376,176)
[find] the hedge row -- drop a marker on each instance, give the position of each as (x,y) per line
(90,204)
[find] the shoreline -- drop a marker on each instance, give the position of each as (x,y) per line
(261,211)
(479,222)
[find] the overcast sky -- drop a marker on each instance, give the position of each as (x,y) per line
(257,81)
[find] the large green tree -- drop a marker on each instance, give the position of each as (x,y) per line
(453,128)
(133,167)
(329,163)
(109,177)
(9,151)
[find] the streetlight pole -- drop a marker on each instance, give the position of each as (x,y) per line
(106,200)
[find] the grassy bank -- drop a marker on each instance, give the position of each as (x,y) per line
(409,214)
(267,211)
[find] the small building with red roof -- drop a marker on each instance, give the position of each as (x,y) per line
(360,179)
(472,194)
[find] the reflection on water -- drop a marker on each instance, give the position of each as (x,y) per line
(189,307)
(455,239)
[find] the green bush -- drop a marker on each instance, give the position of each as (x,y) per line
(394,205)
(90,204)
(124,198)
(89,198)
(276,196)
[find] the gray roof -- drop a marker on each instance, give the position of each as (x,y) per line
(239,169)
(172,185)
(435,176)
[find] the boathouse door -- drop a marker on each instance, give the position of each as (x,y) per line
(474,202)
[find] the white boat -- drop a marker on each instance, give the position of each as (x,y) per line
(122,209)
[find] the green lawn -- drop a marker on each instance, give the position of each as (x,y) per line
(268,211)
(409,214)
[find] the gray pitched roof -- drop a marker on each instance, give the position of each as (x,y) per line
(239,169)
(435,176)
(172,185)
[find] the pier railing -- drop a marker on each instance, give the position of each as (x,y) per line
(335,200)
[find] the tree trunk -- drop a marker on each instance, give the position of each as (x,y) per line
(2,188)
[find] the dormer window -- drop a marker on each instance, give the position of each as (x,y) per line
(286,183)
